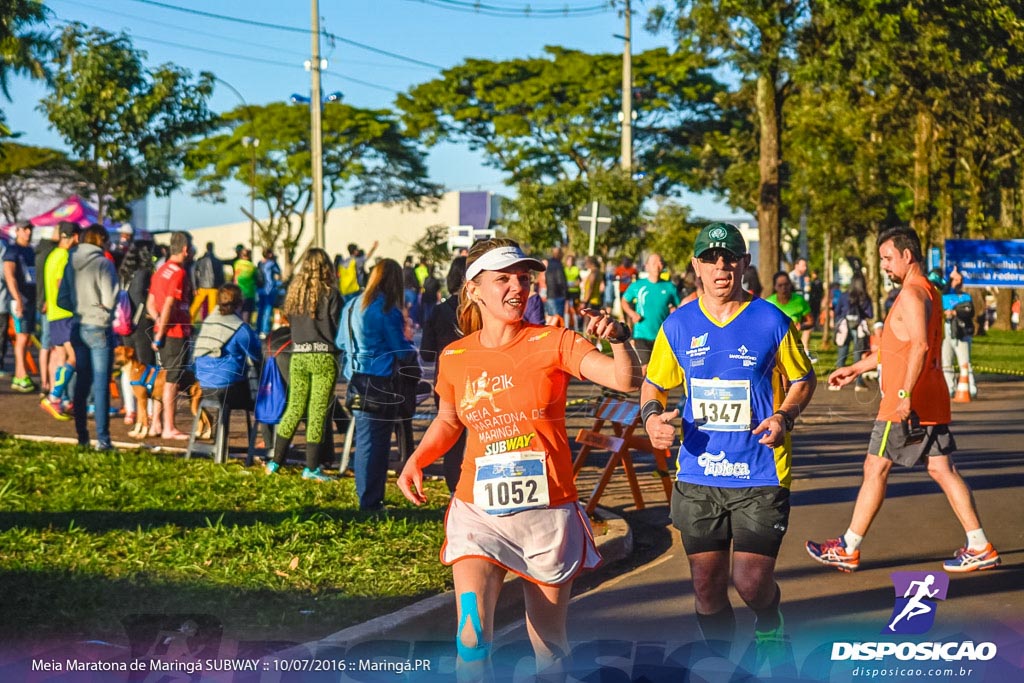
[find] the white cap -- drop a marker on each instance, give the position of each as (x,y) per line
(501,258)
(126,228)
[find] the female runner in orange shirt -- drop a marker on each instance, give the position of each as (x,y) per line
(515,507)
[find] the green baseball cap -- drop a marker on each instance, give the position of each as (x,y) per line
(720,236)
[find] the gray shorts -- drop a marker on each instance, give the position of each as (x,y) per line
(888,440)
(710,518)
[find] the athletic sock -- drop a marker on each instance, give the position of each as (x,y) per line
(852,540)
(768,616)
(976,539)
(718,630)
(61,380)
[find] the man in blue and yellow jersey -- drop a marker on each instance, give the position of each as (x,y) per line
(746,379)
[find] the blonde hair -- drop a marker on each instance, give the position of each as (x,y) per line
(469,311)
(313,280)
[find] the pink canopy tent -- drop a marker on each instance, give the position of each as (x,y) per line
(73,209)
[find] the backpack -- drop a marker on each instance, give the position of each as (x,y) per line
(348,277)
(204,273)
(961,325)
(272,394)
(124,320)
(66,290)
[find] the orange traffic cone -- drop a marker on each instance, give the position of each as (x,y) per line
(963,387)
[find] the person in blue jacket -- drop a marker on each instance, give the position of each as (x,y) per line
(224,351)
(371,336)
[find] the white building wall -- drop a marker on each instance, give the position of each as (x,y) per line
(395,227)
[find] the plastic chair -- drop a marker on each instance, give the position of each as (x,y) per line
(220,416)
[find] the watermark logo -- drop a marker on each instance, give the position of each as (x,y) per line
(916,596)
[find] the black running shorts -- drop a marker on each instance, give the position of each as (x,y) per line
(710,518)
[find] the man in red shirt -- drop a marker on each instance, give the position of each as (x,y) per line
(170,296)
(625,272)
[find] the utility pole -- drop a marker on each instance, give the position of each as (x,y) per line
(627,93)
(316,137)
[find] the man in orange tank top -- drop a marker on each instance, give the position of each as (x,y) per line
(913,418)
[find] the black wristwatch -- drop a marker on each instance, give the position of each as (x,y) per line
(789,421)
(624,337)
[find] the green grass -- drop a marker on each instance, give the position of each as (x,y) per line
(87,539)
(997,352)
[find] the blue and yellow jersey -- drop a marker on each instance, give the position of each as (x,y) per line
(734,374)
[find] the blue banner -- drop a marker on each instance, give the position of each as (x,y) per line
(987,263)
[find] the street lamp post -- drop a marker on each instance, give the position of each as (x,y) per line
(316,138)
(252,144)
(316,103)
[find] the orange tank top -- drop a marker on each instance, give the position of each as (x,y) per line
(930,396)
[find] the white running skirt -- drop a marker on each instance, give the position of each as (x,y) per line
(548,546)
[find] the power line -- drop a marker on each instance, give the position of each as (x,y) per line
(233,55)
(192,31)
(292,29)
(523,11)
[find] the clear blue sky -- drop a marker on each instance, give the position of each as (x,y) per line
(266,65)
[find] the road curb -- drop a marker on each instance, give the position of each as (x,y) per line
(615,544)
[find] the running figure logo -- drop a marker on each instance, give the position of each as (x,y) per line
(482,388)
(914,612)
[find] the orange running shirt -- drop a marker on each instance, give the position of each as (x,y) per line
(512,398)
(930,396)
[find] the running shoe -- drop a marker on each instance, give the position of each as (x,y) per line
(23,384)
(772,646)
(833,553)
(272,467)
(967,560)
(315,475)
(54,410)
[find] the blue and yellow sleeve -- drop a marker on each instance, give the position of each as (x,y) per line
(664,371)
(791,359)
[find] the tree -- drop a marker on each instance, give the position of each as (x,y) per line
(25,171)
(129,127)
(366,153)
(550,123)
(758,40)
(432,247)
(671,233)
(555,117)
(23,49)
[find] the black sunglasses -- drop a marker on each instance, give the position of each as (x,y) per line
(712,255)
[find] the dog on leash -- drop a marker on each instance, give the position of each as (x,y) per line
(154,389)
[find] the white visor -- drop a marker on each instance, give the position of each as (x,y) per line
(501,258)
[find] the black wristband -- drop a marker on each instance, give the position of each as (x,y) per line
(652,407)
(624,338)
(789,421)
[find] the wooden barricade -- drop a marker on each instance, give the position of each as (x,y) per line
(624,417)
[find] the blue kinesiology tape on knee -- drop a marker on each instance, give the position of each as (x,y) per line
(61,379)
(471,614)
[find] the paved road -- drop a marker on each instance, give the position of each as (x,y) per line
(651,602)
